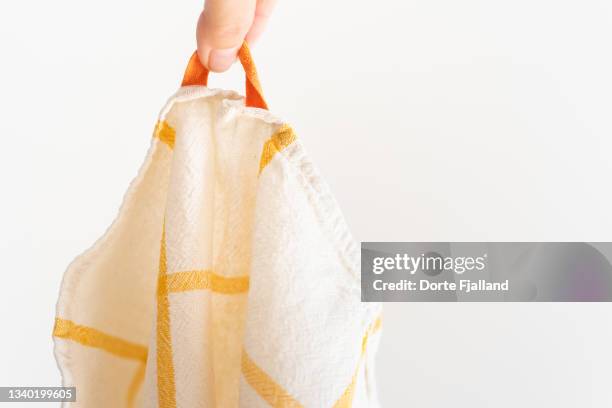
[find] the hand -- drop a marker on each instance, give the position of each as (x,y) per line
(225,24)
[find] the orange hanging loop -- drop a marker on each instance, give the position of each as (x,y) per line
(197,74)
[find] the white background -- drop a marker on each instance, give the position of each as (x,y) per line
(431,120)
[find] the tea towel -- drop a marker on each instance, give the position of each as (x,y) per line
(228,279)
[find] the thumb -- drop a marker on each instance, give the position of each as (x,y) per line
(222,27)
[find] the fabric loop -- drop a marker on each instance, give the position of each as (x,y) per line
(197,74)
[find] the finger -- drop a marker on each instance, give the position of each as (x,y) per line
(222,27)
(263,11)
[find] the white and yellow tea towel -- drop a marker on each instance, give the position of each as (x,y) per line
(229,278)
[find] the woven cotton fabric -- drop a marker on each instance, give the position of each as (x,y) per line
(229,278)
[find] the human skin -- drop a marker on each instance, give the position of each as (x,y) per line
(223,26)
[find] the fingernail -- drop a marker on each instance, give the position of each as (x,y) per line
(221,60)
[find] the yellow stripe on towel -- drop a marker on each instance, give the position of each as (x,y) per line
(165,133)
(346,399)
(166,388)
(265,386)
(88,336)
(135,385)
(279,141)
(204,279)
